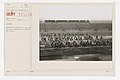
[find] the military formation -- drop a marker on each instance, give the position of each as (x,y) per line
(61,40)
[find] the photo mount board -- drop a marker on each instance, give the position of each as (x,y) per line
(22,42)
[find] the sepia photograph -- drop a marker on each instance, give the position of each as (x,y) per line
(75,40)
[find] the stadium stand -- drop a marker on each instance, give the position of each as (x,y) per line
(53,26)
(42,27)
(73,25)
(85,26)
(69,26)
(109,25)
(99,26)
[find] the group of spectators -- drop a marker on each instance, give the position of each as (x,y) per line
(62,40)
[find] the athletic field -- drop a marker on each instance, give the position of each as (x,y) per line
(100,53)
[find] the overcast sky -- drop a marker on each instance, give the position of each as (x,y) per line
(79,11)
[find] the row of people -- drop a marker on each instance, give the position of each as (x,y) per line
(59,42)
(69,37)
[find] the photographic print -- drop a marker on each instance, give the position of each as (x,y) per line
(75,32)
(75,40)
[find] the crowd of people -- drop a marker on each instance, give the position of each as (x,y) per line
(61,40)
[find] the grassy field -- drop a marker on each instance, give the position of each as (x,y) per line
(77,54)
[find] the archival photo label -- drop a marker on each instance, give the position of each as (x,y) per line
(75,40)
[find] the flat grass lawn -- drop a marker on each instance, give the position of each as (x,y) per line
(103,53)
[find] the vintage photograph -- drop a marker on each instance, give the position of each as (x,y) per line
(75,40)
(59,38)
